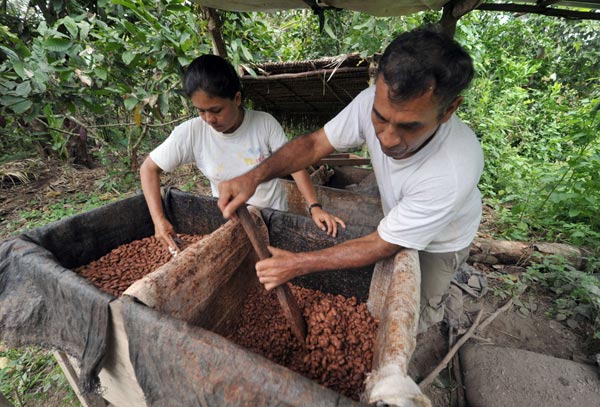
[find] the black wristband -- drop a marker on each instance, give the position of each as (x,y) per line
(315,205)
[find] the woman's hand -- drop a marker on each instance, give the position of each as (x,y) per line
(165,233)
(326,221)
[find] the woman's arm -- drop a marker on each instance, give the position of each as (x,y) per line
(150,178)
(324,220)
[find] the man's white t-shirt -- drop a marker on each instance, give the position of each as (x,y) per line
(430,200)
(222,156)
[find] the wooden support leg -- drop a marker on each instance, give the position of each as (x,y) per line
(4,402)
(87,400)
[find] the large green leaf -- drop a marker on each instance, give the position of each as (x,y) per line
(163,102)
(127,57)
(71,26)
(9,52)
(178,8)
(130,103)
(23,89)
(20,69)
(84,29)
(329,31)
(101,73)
(57,44)
(18,105)
(133,29)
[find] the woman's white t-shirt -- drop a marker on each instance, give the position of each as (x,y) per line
(221,156)
(430,200)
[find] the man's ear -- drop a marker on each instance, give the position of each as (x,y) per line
(238,98)
(451,108)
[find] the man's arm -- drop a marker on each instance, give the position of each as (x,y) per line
(284,265)
(296,155)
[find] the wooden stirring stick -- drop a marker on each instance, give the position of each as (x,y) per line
(284,294)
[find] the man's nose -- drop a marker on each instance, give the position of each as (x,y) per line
(388,137)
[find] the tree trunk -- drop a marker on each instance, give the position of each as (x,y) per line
(495,252)
(454,10)
(215,28)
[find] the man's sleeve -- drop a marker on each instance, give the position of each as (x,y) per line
(346,129)
(419,217)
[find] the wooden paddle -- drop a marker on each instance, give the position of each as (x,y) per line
(284,295)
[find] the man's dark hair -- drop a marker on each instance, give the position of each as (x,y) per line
(425,58)
(213,75)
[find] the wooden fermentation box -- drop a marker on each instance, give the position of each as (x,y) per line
(146,354)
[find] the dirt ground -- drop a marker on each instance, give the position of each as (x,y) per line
(51,183)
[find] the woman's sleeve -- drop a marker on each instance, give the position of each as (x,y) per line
(176,150)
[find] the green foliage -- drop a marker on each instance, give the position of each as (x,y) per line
(295,35)
(62,208)
(576,293)
(29,376)
(79,69)
(538,125)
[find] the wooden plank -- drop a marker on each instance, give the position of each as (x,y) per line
(345,175)
(70,371)
(354,209)
(288,303)
(117,377)
(344,161)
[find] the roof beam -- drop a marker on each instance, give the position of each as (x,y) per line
(554,12)
(321,72)
(545,3)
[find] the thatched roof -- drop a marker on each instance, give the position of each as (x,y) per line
(313,91)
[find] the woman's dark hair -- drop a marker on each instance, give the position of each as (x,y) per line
(213,75)
(424,59)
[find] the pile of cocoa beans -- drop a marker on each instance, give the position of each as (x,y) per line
(338,351)
(116,271)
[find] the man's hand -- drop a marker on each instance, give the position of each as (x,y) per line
(234,193)
(326,221)
(280,268)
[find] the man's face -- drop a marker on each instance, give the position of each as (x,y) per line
(403,128)
(221,114)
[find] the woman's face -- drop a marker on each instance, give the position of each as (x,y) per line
(222,114)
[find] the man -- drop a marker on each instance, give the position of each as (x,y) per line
(426,160)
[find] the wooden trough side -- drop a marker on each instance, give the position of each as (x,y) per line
(354,209)
(394,298)
(395,343)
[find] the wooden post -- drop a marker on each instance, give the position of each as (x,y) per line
(4,402)
(86,400)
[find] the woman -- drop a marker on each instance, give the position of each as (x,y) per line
(224,142)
